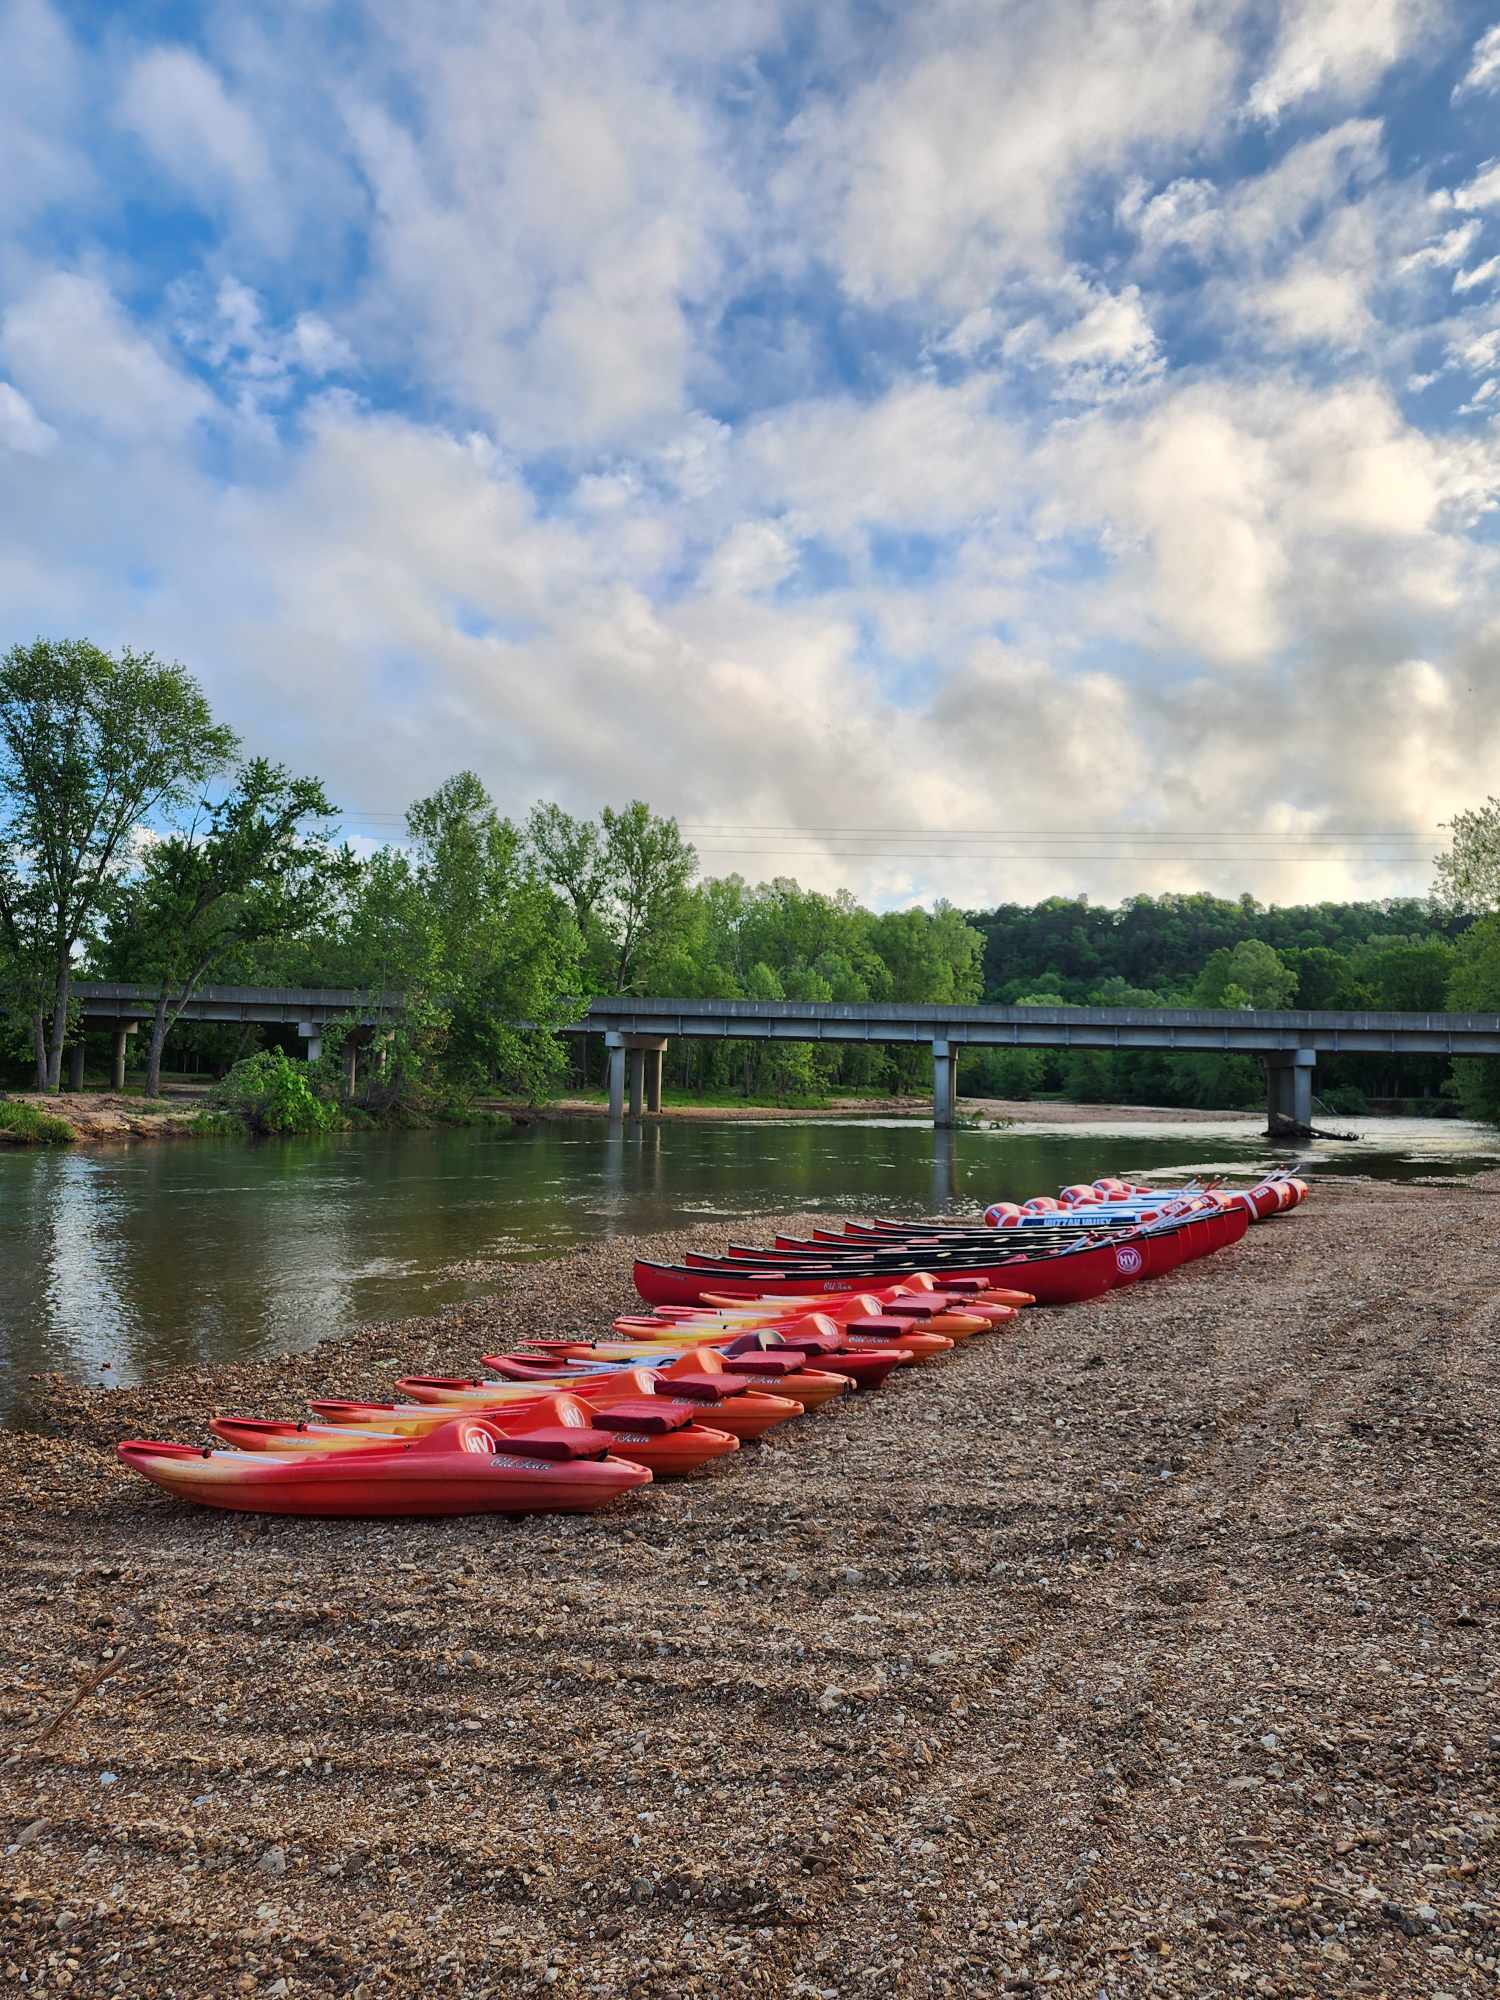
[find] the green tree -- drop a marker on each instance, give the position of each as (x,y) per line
(1468,875)
(24,961)
(1089,1076)
(488,944)
(1326,979)
(258,867)
(91,747)
(648,866)
(569,854)
(1475,988)
(1408,975)
(1254,974)
(626,880)
(934,956)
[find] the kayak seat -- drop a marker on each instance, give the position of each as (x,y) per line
(764,1363)
(564,1442)
(653,1414)
(699,1386)
(811,1343)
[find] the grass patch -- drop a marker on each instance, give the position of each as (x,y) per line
(476,1115)
(229,1124)
(24,1125)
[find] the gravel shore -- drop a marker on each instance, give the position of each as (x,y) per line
(1149,1648)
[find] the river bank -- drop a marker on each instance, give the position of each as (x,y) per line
(101,1117)
(1148,1649)
(98,1117)
(1048,1112)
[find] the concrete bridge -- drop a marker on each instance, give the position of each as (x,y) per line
(636,1032)
(1288,1042)
(109,1003)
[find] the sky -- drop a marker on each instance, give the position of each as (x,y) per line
(993,449)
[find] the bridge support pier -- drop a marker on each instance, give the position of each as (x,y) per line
(75,1066)
(614,1063)
(637,1058)
(944,1082)
(312,1033)
(1289,1080)
(123,1031)
(637,1071)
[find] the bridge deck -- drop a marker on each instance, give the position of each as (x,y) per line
(1289,1040)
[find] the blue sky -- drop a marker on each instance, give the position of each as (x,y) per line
(866,432)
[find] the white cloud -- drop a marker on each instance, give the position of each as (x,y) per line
(1483,73)
(1271,212)
(545,221)
(1450,248)
(923,458)
(1230,510)
(256,360)
(753,556)
(177,105)
(1483,191)
(1338,49)
(79,356)
(1185,214)
(1114,330)
(967,151)
(21,429)
(43,87)
(1313,303)
(1477,274)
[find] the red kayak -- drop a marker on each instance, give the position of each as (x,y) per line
(464,1467)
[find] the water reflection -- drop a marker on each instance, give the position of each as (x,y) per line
(159,1255)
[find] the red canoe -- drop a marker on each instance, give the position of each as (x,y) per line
(1064,1276)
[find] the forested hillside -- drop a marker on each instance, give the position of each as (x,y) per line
(1205,951)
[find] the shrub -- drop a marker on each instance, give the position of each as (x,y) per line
(1346,1099)
(24,1125)
(274,1096)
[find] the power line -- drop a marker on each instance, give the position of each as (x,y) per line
(724,834)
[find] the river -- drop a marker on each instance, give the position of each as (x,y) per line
(118,1263)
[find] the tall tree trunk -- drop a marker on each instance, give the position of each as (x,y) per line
(59,1025)
(39,1039)
(154,1049)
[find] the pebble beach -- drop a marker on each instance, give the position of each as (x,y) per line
(1146,1647)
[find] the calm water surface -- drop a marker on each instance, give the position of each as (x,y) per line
(152,1256)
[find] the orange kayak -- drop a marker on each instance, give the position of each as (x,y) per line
(661,1435)
(745,1413)
(811,1387)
